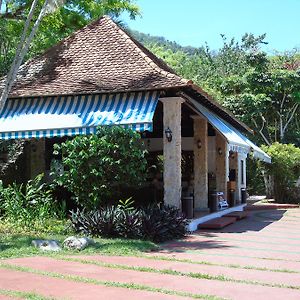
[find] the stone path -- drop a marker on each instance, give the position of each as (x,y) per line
(256,258)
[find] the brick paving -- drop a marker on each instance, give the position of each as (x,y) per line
(65,289)
(266,239)
(6,298)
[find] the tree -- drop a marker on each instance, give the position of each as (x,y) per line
(266,97)
(285,171)
(71,16)
(261,90)
(25,41)
(50,24)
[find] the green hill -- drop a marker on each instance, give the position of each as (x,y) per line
(147,39)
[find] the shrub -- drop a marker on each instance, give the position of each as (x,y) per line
(150,223)
(101,222)
(129,221)
(285,170)
(27,203)
(162,224)
(96,167)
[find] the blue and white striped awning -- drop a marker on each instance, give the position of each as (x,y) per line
(72,115)
(237,142)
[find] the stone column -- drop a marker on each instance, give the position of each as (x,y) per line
(37,157)
(172,151)
(200,163)
(222,164)
(235,164)
(242,173)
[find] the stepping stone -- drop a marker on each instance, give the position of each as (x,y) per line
(217,223)
(239,215)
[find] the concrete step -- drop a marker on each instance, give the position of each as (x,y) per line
(239,215)
(217,223)
(270,206)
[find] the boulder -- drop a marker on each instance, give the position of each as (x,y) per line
(46,245)
(75,243)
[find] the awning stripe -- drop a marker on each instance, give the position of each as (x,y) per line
(236,140)
(71,115)
(65,132)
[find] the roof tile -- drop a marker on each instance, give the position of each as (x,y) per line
(98,58)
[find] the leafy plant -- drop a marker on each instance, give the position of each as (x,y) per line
(27,203)
(150,223)
(129,222)
(285,171)
(160,224)
(102,222)
(98,166)
(126,205)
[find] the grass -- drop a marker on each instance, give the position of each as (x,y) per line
(18,245)
(178,273)
(133,286)
(15,241)
(234,266)
(24,295)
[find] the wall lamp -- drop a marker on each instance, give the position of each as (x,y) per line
(220,152)
(168,134)
(199,144)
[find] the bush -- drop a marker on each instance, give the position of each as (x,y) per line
(129,222)
(150,223)
(285,170)
(101,222)
(255,179)
(162,224)
(98,166)
(27,203)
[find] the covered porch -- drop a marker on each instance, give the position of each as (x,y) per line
(204,159)
(111,79)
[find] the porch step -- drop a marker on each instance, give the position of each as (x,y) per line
(217,223)
(239,215)
(270,206)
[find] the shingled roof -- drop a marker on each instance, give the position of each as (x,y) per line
(98,58)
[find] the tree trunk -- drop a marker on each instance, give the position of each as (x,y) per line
(20,53)
(269,185)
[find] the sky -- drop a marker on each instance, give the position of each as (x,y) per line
(194,22)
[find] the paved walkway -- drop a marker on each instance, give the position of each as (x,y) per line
(257,258)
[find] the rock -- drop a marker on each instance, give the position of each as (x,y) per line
(46,245)
(74,243)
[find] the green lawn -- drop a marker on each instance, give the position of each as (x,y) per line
(15,241)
